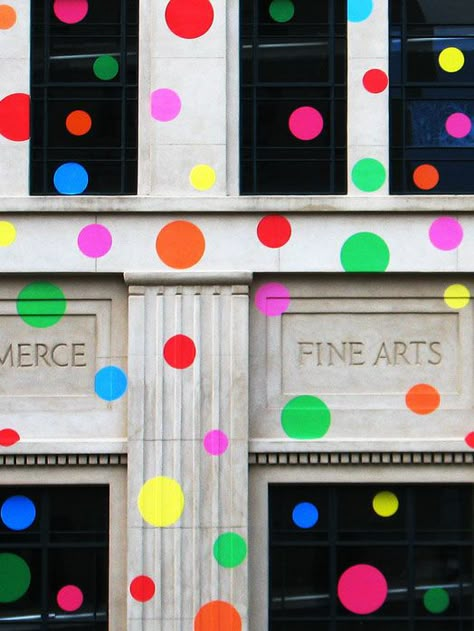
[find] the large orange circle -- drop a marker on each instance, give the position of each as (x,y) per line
(78,123)
(217,615)
(7,16)
(426,177)
(180,244)
(422,399)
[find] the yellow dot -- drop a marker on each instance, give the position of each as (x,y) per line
(451,59)
(7,233)
(385,504)
(202,177)
(161,501)
(457,296)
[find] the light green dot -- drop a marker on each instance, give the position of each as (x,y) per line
(305,417)
(365,252)
(436,600)
(230,549)
(41,304)
(281,10)
(15,577)
(368,175)
(105,67)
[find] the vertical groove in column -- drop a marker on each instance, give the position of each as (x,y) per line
(179,448)
(196,445)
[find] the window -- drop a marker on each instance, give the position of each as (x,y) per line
(84,97)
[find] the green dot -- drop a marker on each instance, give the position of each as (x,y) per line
(105,67)
(15,577)
(305,417)
(365,252)
(230,549)
(368,175)
(282,10)
(436,600)
(41,304)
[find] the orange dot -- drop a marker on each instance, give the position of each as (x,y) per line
(7,16)
(217,615)
(180,244)
(426,176)
(422,399)
(78,122)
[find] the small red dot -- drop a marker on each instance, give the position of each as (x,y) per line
(8,437)
(189,18)
(179,351)
(142,588)
(375,80)
(274,231)
(470,440)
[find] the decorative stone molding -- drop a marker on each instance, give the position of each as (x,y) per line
(382,458)
(63,460)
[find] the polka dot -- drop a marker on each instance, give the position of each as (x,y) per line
(422,399)
(368,175)
(70,11)
(179,351)
(41,304)
(18,512)
(69,598)
(362,589)
(365,252)
(359,10)
(161,501)
(105,67)
(8,437)
(274,231)
(230,549)
(457,296)
(15,117)
(305,515)
(189,18)
(7,233)
(202,177)
(110,383)
(142,588)
(15,577)
(375,80)
(426,177)
(305,418)
(272,299)
(78,123)
(7,16)
(451,59)
(385,504)
(436,600)
(165,105)
(469,440)
(281,10)
(306,123)
(446,233)
(94,240)
(180,244)
(458,125)
(217,615)
(215,442)
(71,178)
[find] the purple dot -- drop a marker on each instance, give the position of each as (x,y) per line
(165,105)
(94,240)
(446,233)
(458,125)
(272,299)
(215,442)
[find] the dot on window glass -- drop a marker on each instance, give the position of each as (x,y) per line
(305,515)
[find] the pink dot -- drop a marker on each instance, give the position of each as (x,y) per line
(165,104)
(70,598)
(272,299)
(305,123)
(446,233)
(215,442)
(94,240)
(362,589)
(70,11)
(458,125)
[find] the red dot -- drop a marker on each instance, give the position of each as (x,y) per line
(8,437)
(470,440)
(274,231)
(189,18)
(375,80)
(142,588)
(179,351)
(15,117)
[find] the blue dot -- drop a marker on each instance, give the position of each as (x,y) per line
(359,10)
(18,512)
(305,515)
(71,179)
(110,383)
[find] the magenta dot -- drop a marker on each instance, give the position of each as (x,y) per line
(94,240)
(70,598)
(272,299)
(362,589)
(215,442)
(70,11)
(305,123)
(165,104)
(446,233)
(458,125)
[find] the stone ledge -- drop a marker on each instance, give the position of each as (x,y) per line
(372,458)
(62,460)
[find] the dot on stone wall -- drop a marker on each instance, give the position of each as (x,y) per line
(15,577)
(426,177)
(359,10)
(189,18)
(217,615)
(8,437)
(368,175)
(165,104)
(458,125)
(362,589)
(446,233)
(7,233)
(365,252)
(469,440)
(375,80)
(161,501)
(105,67)
(7,16)
(18,512)
(451,59)
(272,299)
(180,244)
(230,549)
(78,123)
(110,383)
(422,399)
(281,10)
(70,178)
(385,504)
(70,11)
(15,117)
(41,304)
(306,123)
(202,177)
(305,418)
(305,515)
(94,240)
(179,351)
(70,598)
(436,600)
(274,231)
(215,442)
(457,296)
(142,588)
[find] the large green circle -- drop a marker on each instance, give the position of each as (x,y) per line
(230,549)
(281,10)
(105,67)
(368,175)
(15,577)
(305,417)
(436,600)
(365,252)
(41,304)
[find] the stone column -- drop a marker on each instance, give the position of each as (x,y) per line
(171,410)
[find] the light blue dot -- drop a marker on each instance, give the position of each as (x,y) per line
(359,10)
(305,515)
(71,179)
(18,512)
(110,383)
